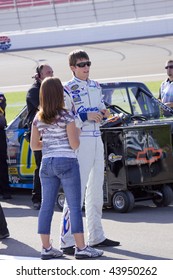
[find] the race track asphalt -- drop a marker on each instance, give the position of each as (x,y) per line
(141,60)
(146,232)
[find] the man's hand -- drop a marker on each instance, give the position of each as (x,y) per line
(105,113)
(95,116)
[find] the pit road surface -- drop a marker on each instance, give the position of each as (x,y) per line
(146,232)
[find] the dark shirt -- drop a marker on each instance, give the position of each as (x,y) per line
(2,102)
(3,122)
(32,101)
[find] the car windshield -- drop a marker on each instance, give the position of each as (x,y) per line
(19,121)
(131,98)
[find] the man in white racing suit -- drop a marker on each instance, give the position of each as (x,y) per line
(84,97)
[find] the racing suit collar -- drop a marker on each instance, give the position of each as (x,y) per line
(82,81)
(168,80)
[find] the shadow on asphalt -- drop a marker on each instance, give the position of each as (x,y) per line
(17,248)
(147,213)
(130,254)
(14,247)
(144,211)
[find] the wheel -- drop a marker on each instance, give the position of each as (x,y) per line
(123,201)
(166,198)
(60,200)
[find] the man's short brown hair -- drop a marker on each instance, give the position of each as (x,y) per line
(75,55)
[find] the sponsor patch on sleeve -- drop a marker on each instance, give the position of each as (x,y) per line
(76,97)
(74,87)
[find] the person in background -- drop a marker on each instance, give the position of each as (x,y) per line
(32,101)
(4,232)
(55,126)
(84,97)
(5,189)
(166,88)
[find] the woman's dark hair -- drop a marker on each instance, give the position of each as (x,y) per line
(38,69)
(37,75)
(51,99)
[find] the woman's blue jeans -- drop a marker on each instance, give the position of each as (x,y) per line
(54,172)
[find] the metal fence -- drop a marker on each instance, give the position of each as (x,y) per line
(9,4)
(33,14)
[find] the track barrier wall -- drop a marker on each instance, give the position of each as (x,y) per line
(35,24)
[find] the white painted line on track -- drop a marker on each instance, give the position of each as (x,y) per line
(129,77)
(15,88)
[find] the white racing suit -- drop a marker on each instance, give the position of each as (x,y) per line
(82,97)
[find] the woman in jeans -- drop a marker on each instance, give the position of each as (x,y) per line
(55,126)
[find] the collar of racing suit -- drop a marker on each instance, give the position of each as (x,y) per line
(84,82)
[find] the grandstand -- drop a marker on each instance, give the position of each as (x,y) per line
(20,15)
(10,4)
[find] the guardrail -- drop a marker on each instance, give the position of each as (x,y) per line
(34,14)
(10,4)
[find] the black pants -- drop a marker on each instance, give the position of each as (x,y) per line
(36,193)
(4,178)
(3,223)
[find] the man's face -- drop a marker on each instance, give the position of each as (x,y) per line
(169,69)
(46,72)
(81,69)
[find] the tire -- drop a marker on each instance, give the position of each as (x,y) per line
(60,200)
(166,199)
(123,201)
